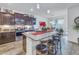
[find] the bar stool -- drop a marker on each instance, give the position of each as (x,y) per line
(57,41)
(51,47)
(41,49)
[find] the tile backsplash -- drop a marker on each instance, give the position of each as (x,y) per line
(7,28)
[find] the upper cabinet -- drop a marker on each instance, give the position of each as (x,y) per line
(24,19)
(1,19)
(19,19)
(6,19)
(29,20)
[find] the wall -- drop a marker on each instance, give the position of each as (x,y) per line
(61,14)
(73,12)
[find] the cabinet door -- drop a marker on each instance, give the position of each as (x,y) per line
(30,21)
(2,38)
(12,20)
(0,19)
(0,35)
(7,19)
(26,19)
(19,19)
(7,37)
(12,36)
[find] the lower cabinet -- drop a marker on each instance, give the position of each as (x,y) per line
(7,37)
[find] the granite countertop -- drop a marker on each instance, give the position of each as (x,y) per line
(6,31)
(39,37)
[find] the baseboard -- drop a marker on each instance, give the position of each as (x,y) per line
(74,42)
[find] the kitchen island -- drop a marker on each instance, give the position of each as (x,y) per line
(33,39)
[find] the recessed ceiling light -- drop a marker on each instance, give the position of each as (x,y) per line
(48,11)
(38,6)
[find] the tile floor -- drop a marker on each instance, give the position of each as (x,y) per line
(69,48)
(15,48)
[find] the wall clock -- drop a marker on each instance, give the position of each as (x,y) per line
(76,20)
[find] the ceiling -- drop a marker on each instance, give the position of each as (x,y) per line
(26,7)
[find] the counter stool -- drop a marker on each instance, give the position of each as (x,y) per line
(57,41)
(41,49)
(51,47)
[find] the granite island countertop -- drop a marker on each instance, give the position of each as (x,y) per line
(40,36)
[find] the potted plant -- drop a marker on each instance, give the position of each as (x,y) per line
(61,31)
(44,29)
(76,27)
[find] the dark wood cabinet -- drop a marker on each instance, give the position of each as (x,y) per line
(1,18)
(25,20)
(19,19)
(7,37)
(7,19)
(29,20)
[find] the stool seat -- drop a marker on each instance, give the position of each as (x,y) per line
(41,48)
